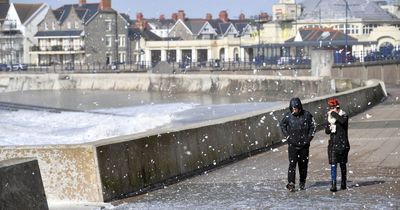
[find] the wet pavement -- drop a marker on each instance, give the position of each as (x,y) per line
(258,182)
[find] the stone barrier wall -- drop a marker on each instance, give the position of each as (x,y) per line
(69,172)
(135,164)
(284,86)
(21,185)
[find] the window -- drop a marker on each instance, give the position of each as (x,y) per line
(46,27)
(108,25)
(369,27)
(351,29)
(76,25)
(108,41)
(53,25)
(121,57)
(69,25)
(121,40)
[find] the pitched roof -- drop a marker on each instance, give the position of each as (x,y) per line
(4,11)
(25,11)
(135,33)
(84,12)
(195,25)
(336,9)
(320,37)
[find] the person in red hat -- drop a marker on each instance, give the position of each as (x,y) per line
(339,146)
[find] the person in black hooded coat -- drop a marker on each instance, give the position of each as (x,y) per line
(338,146)
(298,128)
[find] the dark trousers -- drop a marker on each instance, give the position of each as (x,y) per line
(298,155)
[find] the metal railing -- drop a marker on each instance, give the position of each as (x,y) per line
(260,62)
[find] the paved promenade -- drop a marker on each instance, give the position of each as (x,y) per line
(258,182)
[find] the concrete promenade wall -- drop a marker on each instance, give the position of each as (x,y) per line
(284,86)
(21,185)
(69,172)
(387,72)
(113,168)
(133,164)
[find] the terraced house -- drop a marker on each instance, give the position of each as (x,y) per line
(84,33)
(197,40)
(18,25)
(372,25)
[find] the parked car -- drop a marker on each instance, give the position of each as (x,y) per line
(115,65)
(70,67)
(3,67)
(17,66)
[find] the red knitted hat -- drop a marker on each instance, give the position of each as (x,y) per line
(333,102)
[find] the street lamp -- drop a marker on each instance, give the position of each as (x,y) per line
(345,26)
(259,22)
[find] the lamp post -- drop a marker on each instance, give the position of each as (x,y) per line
(259,22)
(345,26)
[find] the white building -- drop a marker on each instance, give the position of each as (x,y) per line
(18,30)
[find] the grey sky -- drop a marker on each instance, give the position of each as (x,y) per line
(193,8)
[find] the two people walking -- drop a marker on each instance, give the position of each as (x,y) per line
(298,127)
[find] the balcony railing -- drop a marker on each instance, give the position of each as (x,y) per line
(56,48)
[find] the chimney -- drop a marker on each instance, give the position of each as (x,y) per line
(105,5)
(140,22)
(174,16)
(139,16)
(208,16)
(242,16)
(82,2)
(264,16)
(181,15)
(162,17)
(223,16)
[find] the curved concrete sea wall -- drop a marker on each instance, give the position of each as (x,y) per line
(148,160)
(118,167)
(284,86)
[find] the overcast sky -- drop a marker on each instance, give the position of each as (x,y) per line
(193,8)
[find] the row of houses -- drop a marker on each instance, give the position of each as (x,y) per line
(96,33)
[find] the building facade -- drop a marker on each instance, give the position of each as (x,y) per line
(199,41)
(366,21)
(84,33)
(18,27)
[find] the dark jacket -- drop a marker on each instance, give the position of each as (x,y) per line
(298,129)
(339,146)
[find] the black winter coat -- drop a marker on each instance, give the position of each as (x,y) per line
(298,129)
(339,146)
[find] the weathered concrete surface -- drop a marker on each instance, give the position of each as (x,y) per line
(385,71)
(21,185)
(114,168)
(284,86)
(145,161)
(68,172)
(258,182)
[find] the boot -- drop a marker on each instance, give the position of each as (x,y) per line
(333,187)
(290,187)
(302,185)
(343,184)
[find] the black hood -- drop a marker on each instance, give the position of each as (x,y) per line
(295,103)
